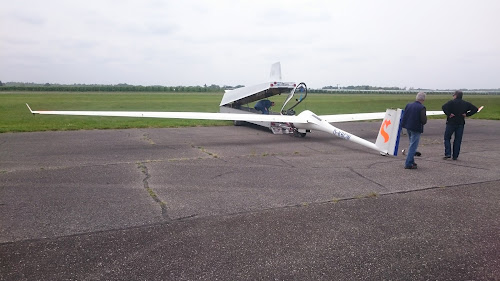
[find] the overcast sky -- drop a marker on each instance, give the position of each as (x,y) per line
(436,44)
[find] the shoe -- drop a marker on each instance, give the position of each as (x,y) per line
(418,154)
(454,158)
(446,157)
(412,167)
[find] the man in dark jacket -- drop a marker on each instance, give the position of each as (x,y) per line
(264,106)
(456,110)
(414,119)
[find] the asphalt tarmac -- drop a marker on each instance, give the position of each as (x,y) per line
(239,203)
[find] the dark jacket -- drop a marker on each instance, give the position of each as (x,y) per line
(263,105)
(458,107)
(414,117)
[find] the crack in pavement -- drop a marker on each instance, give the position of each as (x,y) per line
(151,192)
(202,149)
(368,179)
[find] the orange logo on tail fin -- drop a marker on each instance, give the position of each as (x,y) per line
(384,134)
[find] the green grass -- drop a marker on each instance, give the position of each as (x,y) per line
(15,116)
(334,104)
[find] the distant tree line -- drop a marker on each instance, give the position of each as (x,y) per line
(123,87)
(18,86)
(363,87)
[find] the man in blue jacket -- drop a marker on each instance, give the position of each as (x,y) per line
(263,106)
(414,119)
(456,110)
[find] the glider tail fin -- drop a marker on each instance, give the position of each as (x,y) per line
(275,72)
(389,133)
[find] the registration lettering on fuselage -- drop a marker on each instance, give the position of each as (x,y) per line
(341,134)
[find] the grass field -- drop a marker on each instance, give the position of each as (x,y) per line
(15,116)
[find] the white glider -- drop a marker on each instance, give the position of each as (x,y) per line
(287,122)
(387,140)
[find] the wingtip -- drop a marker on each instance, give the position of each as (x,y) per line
(481,108)
(29,108)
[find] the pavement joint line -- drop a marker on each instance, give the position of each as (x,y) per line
(81,166)
(366,178)
(290,165)
(372,195)
(202,149)
(310,148)
(438,187)
(187,159)
(455,163)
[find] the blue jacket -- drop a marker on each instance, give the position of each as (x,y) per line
(414,117)
(263,105)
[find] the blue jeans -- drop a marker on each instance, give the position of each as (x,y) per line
(262,109)
(414,139)
(451,129)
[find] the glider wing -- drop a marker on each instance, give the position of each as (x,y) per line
(363,116)
(181,115)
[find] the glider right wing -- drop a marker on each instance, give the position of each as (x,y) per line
(363,116)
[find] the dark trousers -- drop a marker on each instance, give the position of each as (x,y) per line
(262,109)
(458,130)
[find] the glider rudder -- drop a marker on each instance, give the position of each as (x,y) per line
(389,133)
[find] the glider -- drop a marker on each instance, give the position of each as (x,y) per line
(286,122)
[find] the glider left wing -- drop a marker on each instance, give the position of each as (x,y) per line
(181,115)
